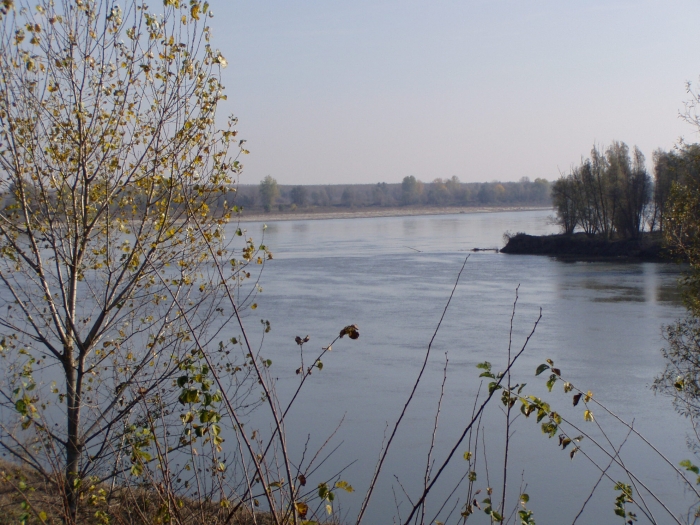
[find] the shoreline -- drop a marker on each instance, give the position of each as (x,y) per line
(367,213)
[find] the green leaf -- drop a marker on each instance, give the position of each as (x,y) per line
(541,369)
(549,428)
(208,416)
(467,455)
(687,465)
(524,498)
(21,407)
(188,396)
(493,386)
(551,381)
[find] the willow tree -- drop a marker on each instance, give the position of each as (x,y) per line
(114,178)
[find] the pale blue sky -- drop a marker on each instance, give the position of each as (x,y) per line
(372,91)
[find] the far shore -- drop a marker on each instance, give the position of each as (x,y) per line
(363,213)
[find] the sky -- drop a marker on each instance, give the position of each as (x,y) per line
(333,92)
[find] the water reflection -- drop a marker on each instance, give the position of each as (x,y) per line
(300,227)
(619,282)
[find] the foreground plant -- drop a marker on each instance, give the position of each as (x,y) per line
(115,181)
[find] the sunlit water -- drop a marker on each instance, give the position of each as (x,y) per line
(601,324)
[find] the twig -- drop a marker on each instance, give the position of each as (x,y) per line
(602,475)
(508,410)
(378,468)
(428,463)
(471,424)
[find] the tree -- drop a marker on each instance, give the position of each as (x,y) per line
(677,198)
(411,190)
(563,198)
(682,225)
(607,194)
(438,193)
(380,194)
(666,172)
(632,189)
(298,195)
(113,163)
(348,198)
(268,192)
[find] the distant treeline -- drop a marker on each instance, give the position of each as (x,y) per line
(269,195)
(612,194)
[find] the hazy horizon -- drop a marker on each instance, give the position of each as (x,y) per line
(367,92)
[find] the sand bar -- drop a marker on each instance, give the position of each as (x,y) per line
(363,213)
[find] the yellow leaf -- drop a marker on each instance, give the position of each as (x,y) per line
(43,516)
(588,415)
(588,397)
(329,509)
(302,508)
(194,12)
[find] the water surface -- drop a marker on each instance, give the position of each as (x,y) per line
(601,324)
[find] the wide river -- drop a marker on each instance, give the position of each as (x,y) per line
(601,324)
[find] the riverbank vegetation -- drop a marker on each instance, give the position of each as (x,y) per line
(607,194)
(271,196)
(612,195)
(609,206)
(678,196)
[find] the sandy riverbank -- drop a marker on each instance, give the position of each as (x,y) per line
(361,213)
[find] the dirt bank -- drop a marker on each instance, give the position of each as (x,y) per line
(579,246)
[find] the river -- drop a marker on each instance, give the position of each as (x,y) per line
(601,324)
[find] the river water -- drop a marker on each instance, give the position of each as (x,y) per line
(601,324)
